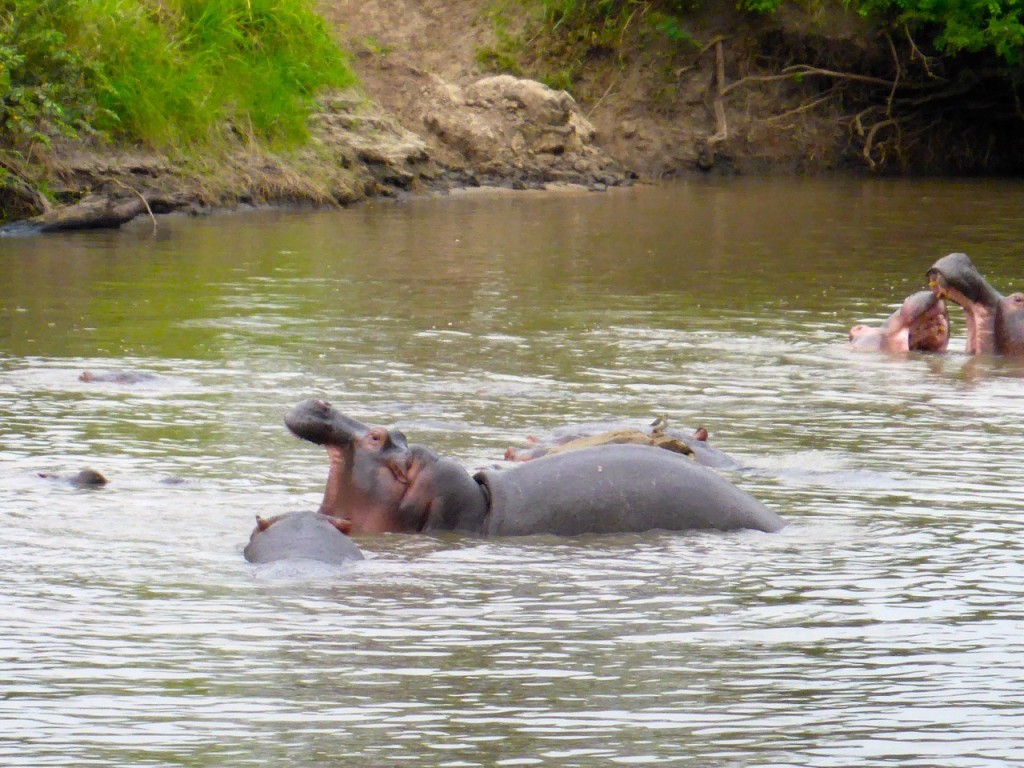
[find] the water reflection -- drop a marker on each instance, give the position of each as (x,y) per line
(881,626)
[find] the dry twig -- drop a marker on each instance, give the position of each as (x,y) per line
(141,197)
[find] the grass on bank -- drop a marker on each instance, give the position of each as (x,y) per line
(167,74)
(570,31)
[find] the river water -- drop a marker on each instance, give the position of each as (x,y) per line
(884,626)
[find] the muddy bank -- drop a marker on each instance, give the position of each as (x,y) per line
(799,92)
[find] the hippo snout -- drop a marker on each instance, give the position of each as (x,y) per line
(317,421)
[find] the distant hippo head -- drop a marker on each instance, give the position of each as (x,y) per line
(955,277)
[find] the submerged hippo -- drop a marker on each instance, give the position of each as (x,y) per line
(995,323)
(85,478)
(378,482)
(116,377)
(921,324)
(301,535)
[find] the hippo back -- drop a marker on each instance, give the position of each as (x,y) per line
(617,489)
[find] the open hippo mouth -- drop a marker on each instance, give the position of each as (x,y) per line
(927,322)
(921,324)
(318,422)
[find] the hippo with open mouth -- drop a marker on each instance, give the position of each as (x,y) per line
(995,323)
(921,324)
(378,482)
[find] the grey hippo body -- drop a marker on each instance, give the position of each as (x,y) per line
(301,535)
(921,324)
(378,482)
(995,323)
(617,488)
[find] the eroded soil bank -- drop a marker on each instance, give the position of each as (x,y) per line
(793,93)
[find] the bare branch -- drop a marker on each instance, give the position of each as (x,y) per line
(899,74)
(915,54)
(806,107)
(721,127)
(141,197)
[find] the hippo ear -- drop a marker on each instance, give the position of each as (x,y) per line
(262,523)
(343,524)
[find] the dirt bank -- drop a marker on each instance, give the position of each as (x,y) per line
(656,111)
(785,94)
(494,130)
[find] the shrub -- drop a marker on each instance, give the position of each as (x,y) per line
(970,26)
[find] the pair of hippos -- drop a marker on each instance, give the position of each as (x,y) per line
(378,482)
(995,323)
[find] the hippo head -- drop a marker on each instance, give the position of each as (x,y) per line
(368,474)
(954,277)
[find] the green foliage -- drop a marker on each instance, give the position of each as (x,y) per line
(970,26)
(500,59)
(560,80)
(603,22)
(954,26)
(564,34)
(760,6)
(43,80)
(163,72)
(671,27)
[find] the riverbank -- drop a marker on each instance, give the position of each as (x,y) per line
(785,93)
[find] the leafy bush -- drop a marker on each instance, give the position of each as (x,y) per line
(44,82)
(955,26)
(965,25)
(603,21)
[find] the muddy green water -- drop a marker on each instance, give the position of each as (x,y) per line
(884,626)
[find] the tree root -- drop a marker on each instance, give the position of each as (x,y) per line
(906,112)
(706,153)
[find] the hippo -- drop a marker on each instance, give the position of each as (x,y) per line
(921,324)
(995,323)
(378,482)
(658,434)
(116,377)
(85,478)
(301,535)
(612,437)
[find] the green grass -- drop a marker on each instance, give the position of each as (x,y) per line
(162,72)
(555,40)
